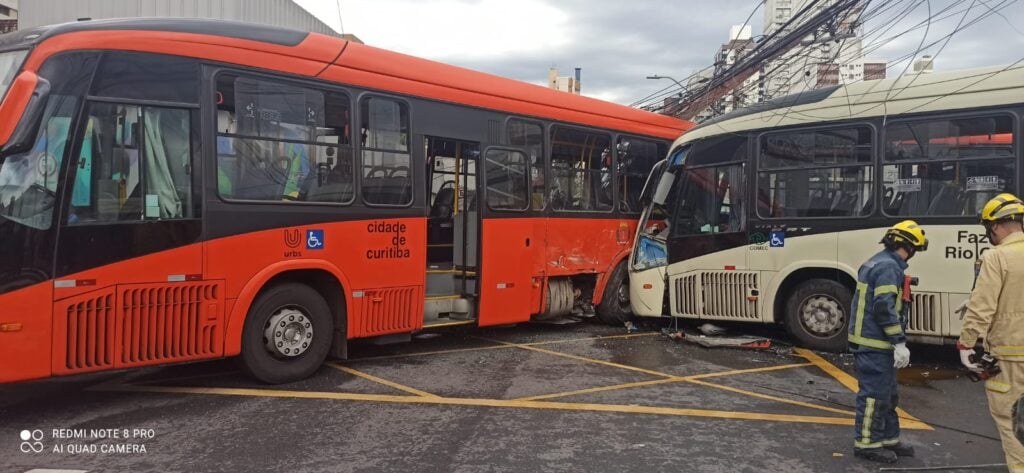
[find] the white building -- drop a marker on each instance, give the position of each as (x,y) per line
(739,44)
(924,64)
(283,13)
(816,62)
(570,84)
(8,15)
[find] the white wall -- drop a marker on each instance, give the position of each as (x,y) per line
(282,13)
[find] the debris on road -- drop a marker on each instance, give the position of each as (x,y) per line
(711,330)
(742,341)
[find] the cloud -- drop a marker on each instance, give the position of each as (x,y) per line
(618,43)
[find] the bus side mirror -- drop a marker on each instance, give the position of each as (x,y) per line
(647,194)
(27,120)
(664,186)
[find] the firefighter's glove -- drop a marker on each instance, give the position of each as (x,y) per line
(901,355)
(961,309)
(965,358)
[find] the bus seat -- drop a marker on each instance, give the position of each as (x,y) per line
(444,204)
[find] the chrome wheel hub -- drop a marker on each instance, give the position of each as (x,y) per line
(288,333)
(822,316)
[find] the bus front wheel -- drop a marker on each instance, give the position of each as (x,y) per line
(614,308)
(817,314)
(287,334)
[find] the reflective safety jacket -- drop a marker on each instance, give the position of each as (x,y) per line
(995,311)
(878,303)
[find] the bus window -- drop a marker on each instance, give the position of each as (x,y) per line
(710,201)
(581,170)
(817,173)
(635,157)
(142,76)
(530,136)
(140,163)
(283,143)
(386,173)
(947,167)
(507,180)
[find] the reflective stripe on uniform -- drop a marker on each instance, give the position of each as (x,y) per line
(1008,351)
(997,386)
(862,292)
(870,342)
(891,289)
(865,431)
(859,444)
(886,289)
(893,330)
(890,442)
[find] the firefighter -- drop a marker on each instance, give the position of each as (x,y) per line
(878,343)
(995,312)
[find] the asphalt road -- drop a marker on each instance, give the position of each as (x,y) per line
(533,398)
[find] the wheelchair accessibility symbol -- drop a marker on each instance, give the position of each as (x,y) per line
(315,239)
(777,239)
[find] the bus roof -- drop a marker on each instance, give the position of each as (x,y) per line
(333,58)
(972,88)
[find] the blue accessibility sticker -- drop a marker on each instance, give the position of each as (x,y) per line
(315,239)
(777,239)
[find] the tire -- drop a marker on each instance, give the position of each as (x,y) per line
(614,308)
(304,317)
(818,315)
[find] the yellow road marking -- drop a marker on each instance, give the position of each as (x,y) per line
(582,358)
(563,406)
(850,382)
(601,389)
(381,380)
(746,371)
(843,377)
(674,379)
(769,397)
(492,347)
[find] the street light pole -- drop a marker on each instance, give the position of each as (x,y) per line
(680,84)
(683,91)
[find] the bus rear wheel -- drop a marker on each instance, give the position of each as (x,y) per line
(817,314)
(614,308)
(287,334)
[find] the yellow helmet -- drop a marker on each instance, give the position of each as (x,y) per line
(1002,207)
(906,233)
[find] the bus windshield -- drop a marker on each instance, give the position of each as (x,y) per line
(28,181)
(655,222)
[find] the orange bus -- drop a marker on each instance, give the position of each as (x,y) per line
(180,190)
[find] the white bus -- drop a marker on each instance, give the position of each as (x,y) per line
(765,214)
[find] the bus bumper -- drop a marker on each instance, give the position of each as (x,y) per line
(647,292)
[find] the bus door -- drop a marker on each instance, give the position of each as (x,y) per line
(510,243)
(707,245)
(452,231)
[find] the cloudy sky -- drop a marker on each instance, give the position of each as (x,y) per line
(618,43)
